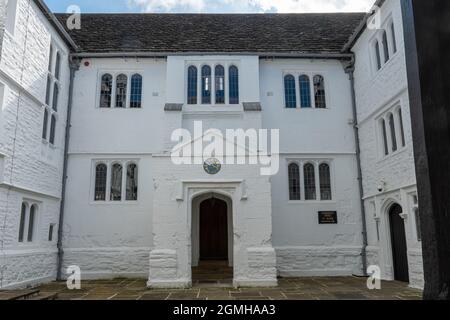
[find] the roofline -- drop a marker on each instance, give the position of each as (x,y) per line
(337,56)
(56,24)
(361,28)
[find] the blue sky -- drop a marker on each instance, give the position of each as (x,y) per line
(212,6)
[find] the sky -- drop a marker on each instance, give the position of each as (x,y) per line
(212,6)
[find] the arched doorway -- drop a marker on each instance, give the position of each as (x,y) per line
(399,246)
(213,230)
(212,239)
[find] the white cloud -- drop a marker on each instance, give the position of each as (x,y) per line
(281,6)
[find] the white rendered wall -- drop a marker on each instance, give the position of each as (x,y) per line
(2,23)
(96,238)
(32,170)
(376,93)
(112,134)
(305,248)
(112,239)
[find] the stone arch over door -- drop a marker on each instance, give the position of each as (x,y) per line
(253,256)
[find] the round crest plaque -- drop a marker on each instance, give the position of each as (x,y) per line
(212,166)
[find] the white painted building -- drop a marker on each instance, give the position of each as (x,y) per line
(387,155)
(128,210)
(31,161)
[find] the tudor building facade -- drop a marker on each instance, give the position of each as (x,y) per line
(128,210)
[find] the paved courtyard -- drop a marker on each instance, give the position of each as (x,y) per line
(329,288)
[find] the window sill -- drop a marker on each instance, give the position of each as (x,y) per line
(329,202)
(28,245)
(393,154)
(384,66)
(114,203)
(116,108)
(223,108)
(309,108)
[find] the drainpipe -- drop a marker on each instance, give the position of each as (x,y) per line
(350,69)
(74,66)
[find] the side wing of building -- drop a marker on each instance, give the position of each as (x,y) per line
(34,77)
(386,146)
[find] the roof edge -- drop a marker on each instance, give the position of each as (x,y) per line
(56,24)
(361,28)
(144,54)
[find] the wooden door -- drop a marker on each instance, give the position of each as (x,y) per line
(399,246)
(213,230)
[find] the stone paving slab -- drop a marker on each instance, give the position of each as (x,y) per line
(328,288)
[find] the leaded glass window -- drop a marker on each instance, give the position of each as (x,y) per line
(234,85)
(220,84)
(55,97)
(58,65)
(310,181)
(305,91)
(52,129)
(132,182)
(50,57)
(325,182)
(394,40)
(319,92)
(106,91)
(192,85)
(50,232)
(378,55)
(48,90)
(393,134)
(31,221)
(385,47)
(206,85)
(289,92)
(136,91)
(23,213)
(121,91)
(402,129)
(100,182)
(45,124)
(294,182)
(116,182)
(384,136)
